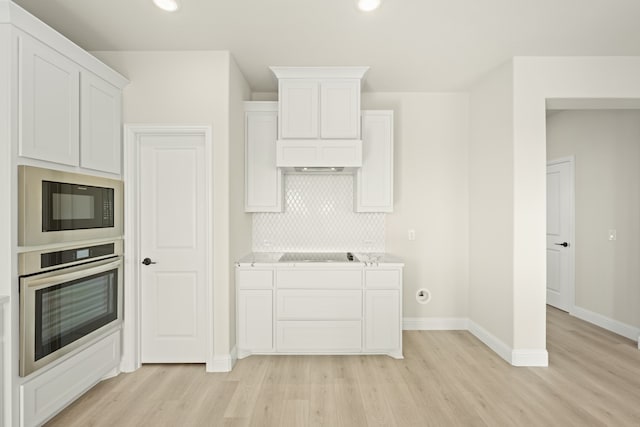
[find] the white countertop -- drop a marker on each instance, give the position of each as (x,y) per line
(270,258)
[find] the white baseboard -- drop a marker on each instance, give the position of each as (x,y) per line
(435,324)
(607,323)
(530,358)
(224,362)
(491,341)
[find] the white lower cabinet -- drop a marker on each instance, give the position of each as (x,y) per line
(255,320)
(319,310)
(382,320)
(46,394)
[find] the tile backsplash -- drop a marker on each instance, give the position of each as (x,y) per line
(318,217)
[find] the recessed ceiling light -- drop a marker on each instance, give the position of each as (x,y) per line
(168,5)
(368,5)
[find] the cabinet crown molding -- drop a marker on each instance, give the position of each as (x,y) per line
(319,72)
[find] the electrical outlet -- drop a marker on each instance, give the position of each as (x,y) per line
(411,234)
(613,235)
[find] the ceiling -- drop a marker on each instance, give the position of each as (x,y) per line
(411,45)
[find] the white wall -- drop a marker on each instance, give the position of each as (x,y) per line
(491,205)
(192,87)
(606,146)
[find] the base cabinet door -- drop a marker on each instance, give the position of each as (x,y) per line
(255,320)
(382,320)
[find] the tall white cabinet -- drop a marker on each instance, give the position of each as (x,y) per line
(374,180)
(60,108)
(263,180)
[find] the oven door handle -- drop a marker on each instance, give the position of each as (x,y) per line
(78,273)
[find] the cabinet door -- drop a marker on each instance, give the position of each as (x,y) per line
(298,108)
(100,124)
(374,180)
(340,109)
(49,103)
(382,320)
(255,320)
(263,183)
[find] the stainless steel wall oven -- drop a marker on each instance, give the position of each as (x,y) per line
(68,297)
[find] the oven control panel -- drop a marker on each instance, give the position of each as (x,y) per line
(51,259)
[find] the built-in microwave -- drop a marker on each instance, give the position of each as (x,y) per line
(61,207)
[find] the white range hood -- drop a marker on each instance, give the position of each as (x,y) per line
(318,155)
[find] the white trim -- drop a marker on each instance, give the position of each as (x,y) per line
(572,230)
(319,72)
(607,323)
(534,357)
(435,324)
(131,352)
(495,344)
(224,363)
(260,106)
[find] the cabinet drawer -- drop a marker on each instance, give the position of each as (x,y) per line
(382,279)
(320,279)
(319,305)
(323,337)
(254,278)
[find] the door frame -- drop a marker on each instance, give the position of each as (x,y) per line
(131,330)
(571,288)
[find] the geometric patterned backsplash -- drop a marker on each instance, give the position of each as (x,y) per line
(318,217)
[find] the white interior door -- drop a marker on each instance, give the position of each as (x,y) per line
(560,195)
(173,210)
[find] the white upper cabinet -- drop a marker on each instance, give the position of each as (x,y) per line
(340,109)
(69,103)
(101,119)
(263,180)
(319,102)
(374,180)
(49,103)
(298,109)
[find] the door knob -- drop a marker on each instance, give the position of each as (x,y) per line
(148,261)
(565,244)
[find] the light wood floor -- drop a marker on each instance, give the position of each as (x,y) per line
(447,378)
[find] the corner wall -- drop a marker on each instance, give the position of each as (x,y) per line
(491,216)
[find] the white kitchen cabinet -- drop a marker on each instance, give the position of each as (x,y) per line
(49,103)
(286,308)
(255,310)
(340,109)
(319,108)
(298,108)
(263,180)
(100,124)
(255,321)
(374,180)
(382,309)
(319,102)
(382,320)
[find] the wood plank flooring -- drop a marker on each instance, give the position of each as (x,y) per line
(448,378)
